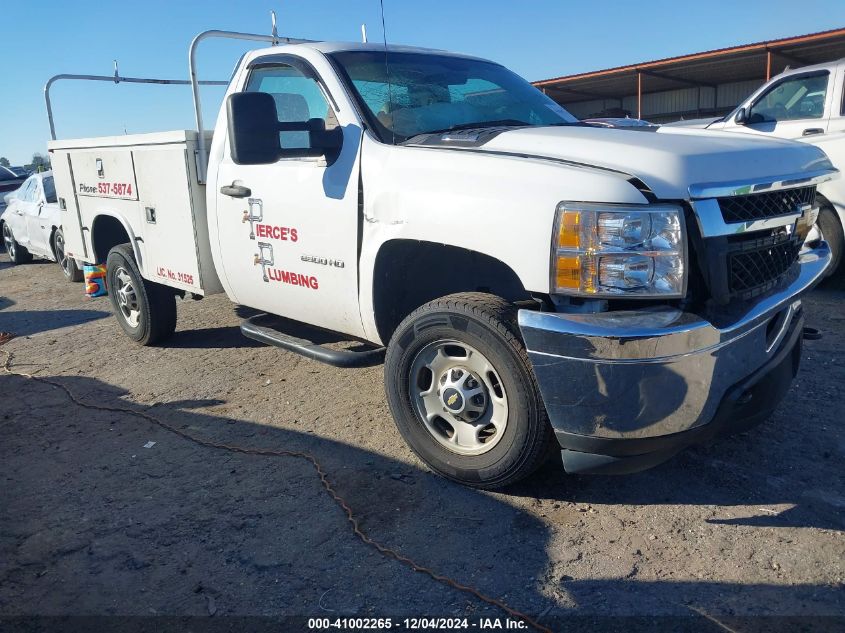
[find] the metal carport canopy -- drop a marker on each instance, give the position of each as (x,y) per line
(761,60)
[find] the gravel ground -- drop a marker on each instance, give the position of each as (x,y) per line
(93,522)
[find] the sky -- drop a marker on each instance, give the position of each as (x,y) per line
(538,39)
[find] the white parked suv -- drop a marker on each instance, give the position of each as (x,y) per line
(806,104)
(617,294)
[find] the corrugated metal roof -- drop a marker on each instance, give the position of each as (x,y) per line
(699,84)
(783,46)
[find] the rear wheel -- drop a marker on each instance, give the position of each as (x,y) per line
(463,394)
(68,264)
(17,253)
(145,310)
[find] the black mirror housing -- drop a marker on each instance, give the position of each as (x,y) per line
(741,117)
(325,142)
(253,128)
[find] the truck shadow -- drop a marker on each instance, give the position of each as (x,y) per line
(742,471)
(210,338)
(95,522)
(29,322)
(257,534)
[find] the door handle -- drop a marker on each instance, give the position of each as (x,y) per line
(812,130)
(236,191)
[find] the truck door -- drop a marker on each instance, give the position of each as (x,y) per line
(289,245)
(793,107)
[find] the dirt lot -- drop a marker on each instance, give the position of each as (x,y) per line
(92,522)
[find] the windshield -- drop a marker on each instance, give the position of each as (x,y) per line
(436,93)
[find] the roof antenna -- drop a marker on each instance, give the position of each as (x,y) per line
(364,33)
(274,32)
(116,73)
(387,73)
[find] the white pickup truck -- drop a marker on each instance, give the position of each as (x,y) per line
(614,295)
(806,104)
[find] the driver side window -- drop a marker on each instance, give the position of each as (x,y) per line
(798,98)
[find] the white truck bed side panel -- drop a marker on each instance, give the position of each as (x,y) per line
(148,182)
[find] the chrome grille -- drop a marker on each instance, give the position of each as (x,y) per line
(760,206)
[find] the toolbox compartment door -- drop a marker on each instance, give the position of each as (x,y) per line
(105,173)
(168,209)
(71,218)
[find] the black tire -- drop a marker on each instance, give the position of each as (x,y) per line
(831,230)
(486,323)
(156,304)
(17,253)
(69,267)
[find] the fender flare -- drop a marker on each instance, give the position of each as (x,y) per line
(133,241)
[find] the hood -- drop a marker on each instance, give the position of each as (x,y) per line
(668,160)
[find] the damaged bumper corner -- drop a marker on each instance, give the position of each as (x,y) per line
(627,390)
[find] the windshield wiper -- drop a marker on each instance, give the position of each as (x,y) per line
(478,125)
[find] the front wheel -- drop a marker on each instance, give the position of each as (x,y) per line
(68,264)
(145,310)
(462,392)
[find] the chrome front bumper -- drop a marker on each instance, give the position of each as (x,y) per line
(656,373)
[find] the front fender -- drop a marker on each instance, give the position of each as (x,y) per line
(500,206)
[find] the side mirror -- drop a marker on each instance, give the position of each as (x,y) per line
(741,117)
(254,132)
(253,128)
(323,142)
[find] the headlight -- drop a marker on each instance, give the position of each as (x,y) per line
(619,251)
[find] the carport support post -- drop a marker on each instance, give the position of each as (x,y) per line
(639,95)
(768,64)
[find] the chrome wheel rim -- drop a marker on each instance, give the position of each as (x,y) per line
(127,297)
(9,240)
(61,255)
(459,396)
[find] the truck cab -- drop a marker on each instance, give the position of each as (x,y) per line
(798,103)
(532,283)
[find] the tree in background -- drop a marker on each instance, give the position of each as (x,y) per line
(39,163)
(4,162)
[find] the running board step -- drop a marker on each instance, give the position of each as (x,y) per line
(263,328)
